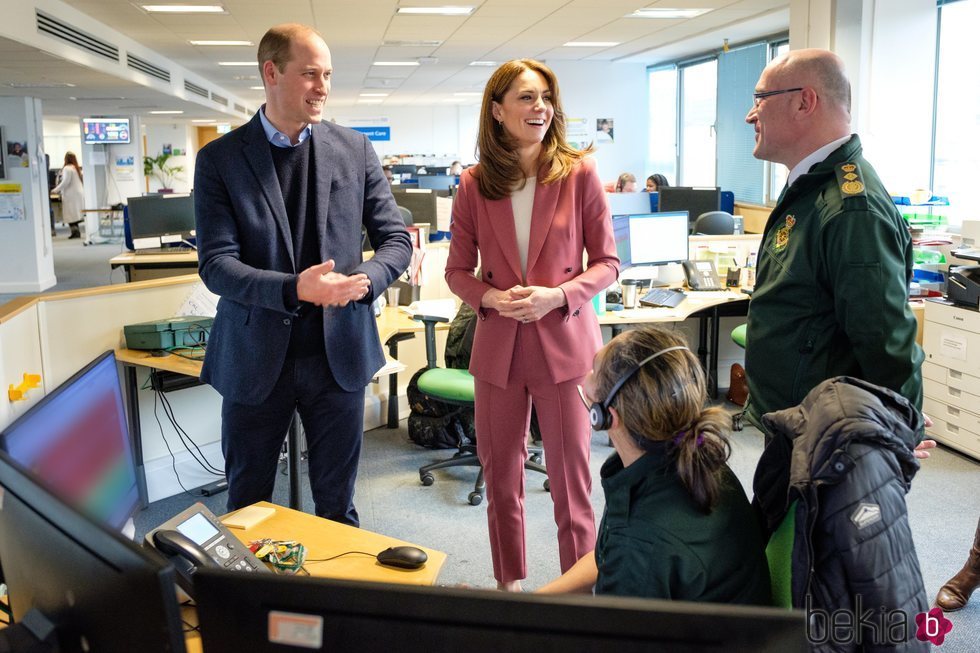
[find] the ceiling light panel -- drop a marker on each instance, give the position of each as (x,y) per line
(666,13)
(183,9)
(436,11)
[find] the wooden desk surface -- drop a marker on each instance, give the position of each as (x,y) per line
(324,538)
(694,302)
(177,259)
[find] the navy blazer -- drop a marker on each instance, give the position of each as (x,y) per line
(246,255)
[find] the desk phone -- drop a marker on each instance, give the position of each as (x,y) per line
(194,539)
(701,275)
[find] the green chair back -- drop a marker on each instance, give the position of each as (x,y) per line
(779,554)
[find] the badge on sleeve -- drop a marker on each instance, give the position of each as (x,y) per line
(782,234)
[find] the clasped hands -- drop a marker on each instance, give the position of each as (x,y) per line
(524,303)
(320,285)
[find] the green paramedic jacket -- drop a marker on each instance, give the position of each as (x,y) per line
(831,293)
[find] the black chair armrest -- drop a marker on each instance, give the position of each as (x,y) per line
(429,321)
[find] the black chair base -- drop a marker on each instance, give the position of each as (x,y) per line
(467,457)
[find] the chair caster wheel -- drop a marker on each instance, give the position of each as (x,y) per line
(547,485)
(427,479)
(475,498)
(536,459)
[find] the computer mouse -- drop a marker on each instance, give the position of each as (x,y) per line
(403,557)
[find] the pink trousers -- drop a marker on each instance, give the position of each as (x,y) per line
(502,419)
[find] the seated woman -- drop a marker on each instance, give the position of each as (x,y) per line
(626,183)
(656,182)
(677,524)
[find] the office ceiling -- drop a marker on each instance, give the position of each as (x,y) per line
(361,32)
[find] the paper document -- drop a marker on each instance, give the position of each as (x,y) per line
(439,307)
(200,301)
(444,213)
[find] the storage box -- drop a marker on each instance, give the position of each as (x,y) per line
(184,331)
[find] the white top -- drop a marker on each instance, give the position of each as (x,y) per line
(522,203)
(804,166)
(72,195)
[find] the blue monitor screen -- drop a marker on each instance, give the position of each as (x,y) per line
(76,440)
(621,234)
(106,130)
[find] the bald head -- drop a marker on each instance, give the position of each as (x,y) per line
(821,69)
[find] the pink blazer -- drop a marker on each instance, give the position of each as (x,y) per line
(568,217)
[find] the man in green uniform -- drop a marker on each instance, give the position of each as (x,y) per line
(831,293)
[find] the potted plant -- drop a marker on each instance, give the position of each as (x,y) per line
(165,173)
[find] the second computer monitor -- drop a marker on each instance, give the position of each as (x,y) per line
(658,238)
(168,217)
(694,200)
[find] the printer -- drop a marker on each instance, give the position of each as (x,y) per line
(963,283)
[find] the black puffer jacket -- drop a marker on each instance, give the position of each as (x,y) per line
(846,456)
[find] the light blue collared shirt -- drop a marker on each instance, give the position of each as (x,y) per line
(276,137)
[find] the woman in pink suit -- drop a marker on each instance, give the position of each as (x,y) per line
(526,212)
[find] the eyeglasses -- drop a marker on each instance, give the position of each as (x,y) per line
(585,402)
(762,95)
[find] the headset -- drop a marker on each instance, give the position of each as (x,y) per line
(599,415)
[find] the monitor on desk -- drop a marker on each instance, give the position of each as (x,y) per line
(161,220)
(652,240)
(629,203)
(76,440)
(442,182)
(694,200)
(100,591)
(403,169)
(269,613)
(420,201)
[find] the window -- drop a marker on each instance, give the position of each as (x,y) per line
(956,159)
(738,170)
(698,91)
(777,173)
(662,150)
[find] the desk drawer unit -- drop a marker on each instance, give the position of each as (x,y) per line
(951,376)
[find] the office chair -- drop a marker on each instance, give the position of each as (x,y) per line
(715,223)
(406,216)
(738,419)
(456,387)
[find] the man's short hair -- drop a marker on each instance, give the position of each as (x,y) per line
(276,44)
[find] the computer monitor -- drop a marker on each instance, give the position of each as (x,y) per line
(101,591)
(621,235)
(403,169)
(420,201)
(443,182)
(76,440)
(658,238)
(263,614)
(694,200)
(628,203)
(166,217)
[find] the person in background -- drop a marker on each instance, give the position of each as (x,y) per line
(388,174)
(835,251)
(626,183)
(656,182)
(955,593)
(526,214)
(72,194)
(456,168)
(280,203)
(677,523)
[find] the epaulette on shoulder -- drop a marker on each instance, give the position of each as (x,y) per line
(849,180)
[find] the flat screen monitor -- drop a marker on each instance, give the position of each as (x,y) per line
(76,440)
(694,200)
(167,217)
(442,182)
(105,130)
(621,234)
(262,614)
(403,169)
(629,203)
(420,201)
(658,238)
(101,591)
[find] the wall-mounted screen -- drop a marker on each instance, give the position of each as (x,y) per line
(106,130)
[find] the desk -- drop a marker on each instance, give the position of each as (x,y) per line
(708,307)
(133,358)
(140,267)
(323,539)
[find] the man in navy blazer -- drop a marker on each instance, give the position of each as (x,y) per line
(280,203)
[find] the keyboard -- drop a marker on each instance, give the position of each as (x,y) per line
(662,297)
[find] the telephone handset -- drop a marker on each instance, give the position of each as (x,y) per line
(701,275)
(194,539)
